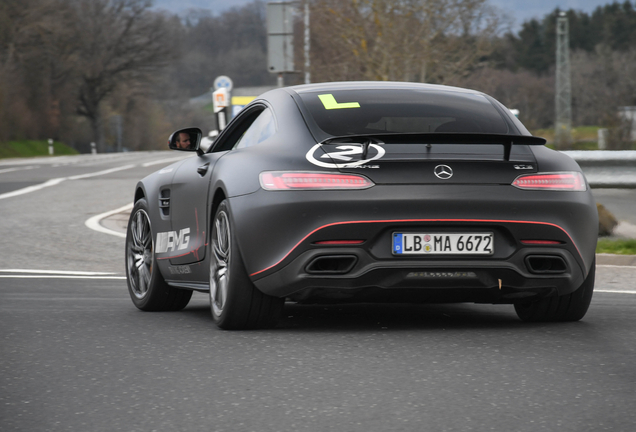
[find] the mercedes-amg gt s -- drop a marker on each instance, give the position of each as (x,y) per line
(360,192)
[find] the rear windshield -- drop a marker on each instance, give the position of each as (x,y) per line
(361,112)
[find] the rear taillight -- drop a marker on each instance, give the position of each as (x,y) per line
(567,181)
(307,180)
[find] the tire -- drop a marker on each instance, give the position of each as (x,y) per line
(570,307)
(235,303)
(146,286)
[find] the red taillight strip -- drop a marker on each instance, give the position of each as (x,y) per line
(309,180)
(541,242)
(339,242)
(416,220)
(565,181)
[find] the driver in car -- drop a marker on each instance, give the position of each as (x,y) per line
(183,140)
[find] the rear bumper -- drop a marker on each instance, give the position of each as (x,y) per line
(278,231)
(477,280)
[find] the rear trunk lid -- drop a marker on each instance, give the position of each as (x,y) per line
(431,158)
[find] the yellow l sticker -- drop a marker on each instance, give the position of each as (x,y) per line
(330,102)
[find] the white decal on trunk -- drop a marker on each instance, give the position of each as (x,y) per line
(344,153)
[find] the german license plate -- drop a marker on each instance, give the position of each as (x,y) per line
(443,243)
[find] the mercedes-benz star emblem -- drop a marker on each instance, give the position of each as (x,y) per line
(443,172)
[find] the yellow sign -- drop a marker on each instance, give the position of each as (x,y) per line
(242,100)
(330,102)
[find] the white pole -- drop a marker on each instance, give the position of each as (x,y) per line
(50,147)
(307,44)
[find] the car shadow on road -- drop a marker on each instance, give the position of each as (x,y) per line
(375,316)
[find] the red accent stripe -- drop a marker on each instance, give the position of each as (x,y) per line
(339,242)
(416,220)
(541,242)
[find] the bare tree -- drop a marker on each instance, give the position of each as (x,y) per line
(531,94)
(36,56)
(119,41)
(603,81)
(410,40)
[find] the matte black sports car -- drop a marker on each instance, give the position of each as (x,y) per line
(365,191)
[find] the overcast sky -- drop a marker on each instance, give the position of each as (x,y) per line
(520,10)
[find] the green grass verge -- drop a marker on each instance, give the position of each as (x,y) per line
(25,148)
(616,246)
(585,137)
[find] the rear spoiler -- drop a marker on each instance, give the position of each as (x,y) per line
(507,141)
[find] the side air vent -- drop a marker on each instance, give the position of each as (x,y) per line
(546,264)
(164,202)
(331,264)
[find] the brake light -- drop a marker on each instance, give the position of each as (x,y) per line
(541,242)
(570,181)
(307,180)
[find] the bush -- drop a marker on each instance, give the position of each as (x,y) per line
(606,221)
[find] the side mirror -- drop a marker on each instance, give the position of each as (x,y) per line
(185,139)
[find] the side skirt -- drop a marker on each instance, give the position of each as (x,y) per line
(195,286)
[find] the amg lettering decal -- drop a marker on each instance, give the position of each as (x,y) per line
(171,241)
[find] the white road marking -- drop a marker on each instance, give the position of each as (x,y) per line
(615,266)
(57,181)
(93,223)
(160,161)
(59,272)
(30,189)
(16,169)
(616,291)
(99,173)
(60,277)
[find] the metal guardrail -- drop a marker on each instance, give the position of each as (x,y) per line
(607,168)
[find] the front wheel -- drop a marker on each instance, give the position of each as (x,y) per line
(570,307)
(234,300)
(146,286)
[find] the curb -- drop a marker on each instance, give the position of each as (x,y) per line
(616,260)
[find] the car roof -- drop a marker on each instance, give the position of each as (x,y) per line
(376,85)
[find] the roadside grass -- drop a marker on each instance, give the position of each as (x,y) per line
(27,148)
(585,137)
(616,246)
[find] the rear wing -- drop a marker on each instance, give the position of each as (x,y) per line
(507,141)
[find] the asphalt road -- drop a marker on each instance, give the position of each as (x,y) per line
(75,354)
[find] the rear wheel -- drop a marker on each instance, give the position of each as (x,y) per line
(146,286)
(234,300)
(570,307)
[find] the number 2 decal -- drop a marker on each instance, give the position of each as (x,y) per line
(343,156)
